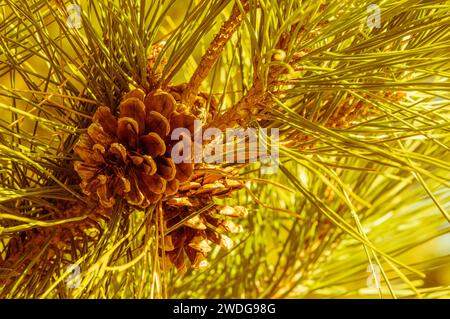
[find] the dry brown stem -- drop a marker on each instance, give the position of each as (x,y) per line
(213,53)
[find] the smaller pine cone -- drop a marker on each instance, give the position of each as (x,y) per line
(129,156)
(24,254)
(194,238)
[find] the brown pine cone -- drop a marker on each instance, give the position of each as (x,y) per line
(129,156)
(25,248)
(195,236)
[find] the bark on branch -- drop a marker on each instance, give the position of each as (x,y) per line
(214,51)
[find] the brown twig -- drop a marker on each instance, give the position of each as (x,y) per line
(256,100)
(213,53)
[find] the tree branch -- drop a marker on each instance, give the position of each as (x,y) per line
(213,53)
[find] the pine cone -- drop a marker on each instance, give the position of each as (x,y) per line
(129,156)
(194,236)
(25,249)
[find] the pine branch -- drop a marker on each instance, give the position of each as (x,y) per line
(214,51)
(364,135)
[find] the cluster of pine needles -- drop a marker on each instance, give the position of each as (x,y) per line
(361,195)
